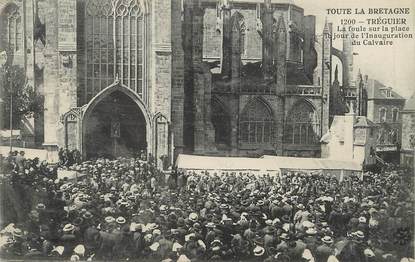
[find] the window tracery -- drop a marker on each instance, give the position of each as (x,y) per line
(11,23)
(256,124)
(114,45)
(302,126)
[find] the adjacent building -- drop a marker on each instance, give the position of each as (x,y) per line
(383,108)
(408,133)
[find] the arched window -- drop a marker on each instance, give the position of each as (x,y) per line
(382,115)
(395,114)
(302,126)
(114,42)
(11,29)
(221,121)
(256,123)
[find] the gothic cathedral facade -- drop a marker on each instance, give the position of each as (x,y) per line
(210,77)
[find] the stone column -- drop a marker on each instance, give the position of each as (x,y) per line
(326,76)
(309,54)
(188,128)
(348,62)
(177,92)
(162,78)
(235,51)
(226,65)
(51,80)
(280,54)
(267,41)
(198,78)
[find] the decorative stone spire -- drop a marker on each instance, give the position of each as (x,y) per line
(280,54)
(336,74)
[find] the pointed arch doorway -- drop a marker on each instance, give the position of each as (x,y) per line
(115,123)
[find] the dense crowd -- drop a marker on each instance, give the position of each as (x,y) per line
(128,209)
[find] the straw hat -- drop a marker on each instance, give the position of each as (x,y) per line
(176,247)
(311,231)
(327,240)
(68,228)
(368,253)
(258,251)
(359,234)
(109,219)
(193,217)
(155,246)
(120,220)
(79,250)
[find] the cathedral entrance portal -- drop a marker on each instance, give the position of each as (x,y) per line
(114,126)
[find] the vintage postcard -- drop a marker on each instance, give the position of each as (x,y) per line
(196,130)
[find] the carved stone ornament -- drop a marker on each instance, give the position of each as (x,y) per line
(66,59)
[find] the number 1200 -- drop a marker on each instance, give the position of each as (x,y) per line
(347,21)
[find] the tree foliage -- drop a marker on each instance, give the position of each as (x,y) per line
(26,100)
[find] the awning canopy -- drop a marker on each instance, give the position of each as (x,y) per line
(300,163)
(263,164)
(194,162)
(7,133)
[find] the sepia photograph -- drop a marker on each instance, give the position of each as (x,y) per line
(207,130)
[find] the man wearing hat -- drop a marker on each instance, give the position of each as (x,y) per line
(165,243)
(17,243)
(258,253)
(239,246)
(324,250)
(68,240)
(269,236)
(276,208)
(310,239)
(211,234)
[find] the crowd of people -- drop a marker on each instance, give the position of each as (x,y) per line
(69,157)
(127,209)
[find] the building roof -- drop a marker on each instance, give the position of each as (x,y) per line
(362,121)
(410,104)
(338,127)
(374,88)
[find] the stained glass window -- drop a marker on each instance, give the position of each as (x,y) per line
(114,42)
(302,126)
(256,123)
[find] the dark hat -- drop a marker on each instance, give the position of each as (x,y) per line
(77,221)
(285,218)
(180,221)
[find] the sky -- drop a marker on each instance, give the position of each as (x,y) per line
(393,65)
